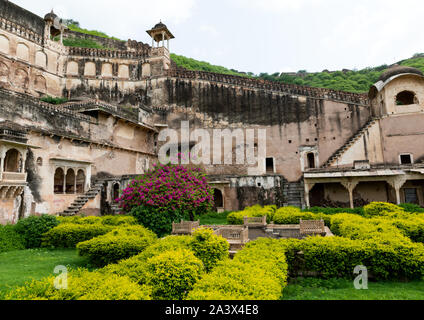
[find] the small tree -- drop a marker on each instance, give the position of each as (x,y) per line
(165,195)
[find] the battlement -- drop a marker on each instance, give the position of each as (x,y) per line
(44,105)
(104,53)
(319,93)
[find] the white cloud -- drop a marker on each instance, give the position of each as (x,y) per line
(125,18)
(277,5)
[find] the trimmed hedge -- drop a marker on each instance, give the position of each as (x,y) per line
(173,273)
(33,228)
(237,218)
(82,285)
(68,235)
(105,220)
(380,209)
(337,257)
(293,216)
(209,248)
(121,243)
(359,228)
(136,268)
(10,240)
(259,272)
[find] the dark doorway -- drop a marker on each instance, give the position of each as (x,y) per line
(219,199)
(311,161)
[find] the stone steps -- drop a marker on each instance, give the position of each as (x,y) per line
(82,200)
(350,143)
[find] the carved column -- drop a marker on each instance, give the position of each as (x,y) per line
(397,184)
(350,186)
(308,188)
(2,156)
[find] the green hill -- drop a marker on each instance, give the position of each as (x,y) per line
(358,81)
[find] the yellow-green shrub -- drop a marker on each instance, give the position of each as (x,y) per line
(380,209)
(136,268)
(120,243)
(258,272)
(237,218)
(82,285)
(116,220)
(294,216)
(209,248)
(68,235)
(355,227)
(337,257)
(173,273)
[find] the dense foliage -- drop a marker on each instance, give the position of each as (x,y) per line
(358,81)
(167,194)
(120,243)
(172,274)
(33,228)
(82,285)
(10,240)
(54,100)
(76,28)
(259,272)
(68,235)
(209,248)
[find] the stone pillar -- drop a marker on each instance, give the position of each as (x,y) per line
(350,186)
(308,188)
(397,184)
(24,156)
(64,180)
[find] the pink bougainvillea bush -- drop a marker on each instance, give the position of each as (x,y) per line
(169,193)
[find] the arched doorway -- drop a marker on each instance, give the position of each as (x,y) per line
(80,181)
(59,180)
(70,181)
(13,161)
(219,199)
(115,192)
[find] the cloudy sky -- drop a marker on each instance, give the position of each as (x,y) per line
(262,35)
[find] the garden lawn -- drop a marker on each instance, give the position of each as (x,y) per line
(214,218)
(338,289)
(18,267)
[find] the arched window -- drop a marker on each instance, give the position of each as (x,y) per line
(406,98)
(311,160)
(70,182)
(13,161)
(59,181)
(219,199)
(80,181)
(4,44)
(116,192)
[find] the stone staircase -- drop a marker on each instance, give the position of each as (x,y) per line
(294,193)
(82,200)
(350,143)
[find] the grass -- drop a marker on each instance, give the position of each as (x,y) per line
(339,289)
(214,218)
(18,267)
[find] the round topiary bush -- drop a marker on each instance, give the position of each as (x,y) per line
(381,209)
(173,274)
(33,228)
(209,247)
(167,194)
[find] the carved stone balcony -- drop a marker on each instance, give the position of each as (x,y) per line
(15,177)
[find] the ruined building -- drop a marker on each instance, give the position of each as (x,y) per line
(323,146)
